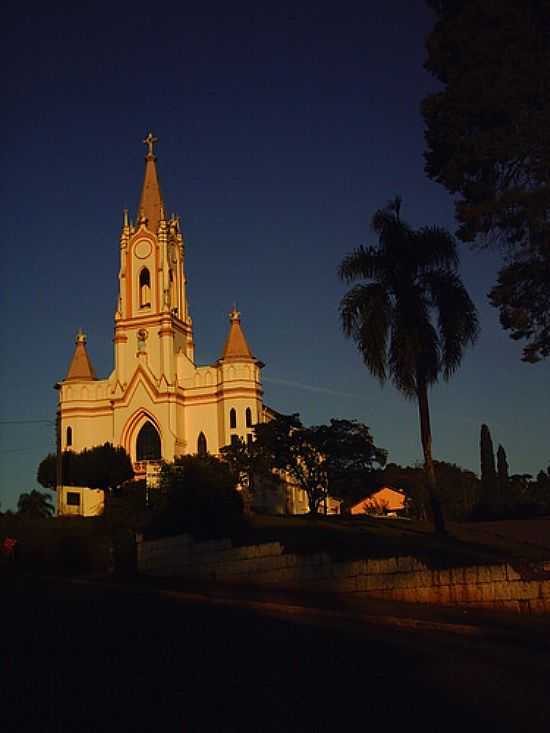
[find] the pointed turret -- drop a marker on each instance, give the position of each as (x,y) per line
(236,347)
(151,205)
(80,368)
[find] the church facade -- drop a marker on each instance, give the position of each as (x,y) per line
(157,403)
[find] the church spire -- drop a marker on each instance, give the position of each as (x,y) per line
(150,203)
(236,347)
(80,368)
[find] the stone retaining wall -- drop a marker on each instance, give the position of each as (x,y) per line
(522,588)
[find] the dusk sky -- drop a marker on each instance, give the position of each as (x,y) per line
(281,130)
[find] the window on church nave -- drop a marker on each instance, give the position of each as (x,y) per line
(232,418)
(148,444)
(144,288)
(69,440)
(202,448)
(248,417)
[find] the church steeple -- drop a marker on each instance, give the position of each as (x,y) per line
(236,347)
(151,204)
(80,368)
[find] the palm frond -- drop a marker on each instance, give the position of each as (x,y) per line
(414,345)
(457,316)
(366,316)
(363,262)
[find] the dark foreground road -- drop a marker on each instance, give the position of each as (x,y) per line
(80,658)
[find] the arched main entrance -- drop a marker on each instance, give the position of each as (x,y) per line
(148,444)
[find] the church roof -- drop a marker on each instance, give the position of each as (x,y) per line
(236,347)
(150,203)
(80,367)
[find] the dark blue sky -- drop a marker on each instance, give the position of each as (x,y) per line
(281,131)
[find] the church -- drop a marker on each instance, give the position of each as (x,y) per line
(158,403)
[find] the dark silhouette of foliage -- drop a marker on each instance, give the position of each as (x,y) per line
(522,294)
(488,471)
(459,488)
(47,472)
(102,467)
(502,473)
(197,495)
(321,460)
(412,317)
(35,505)
(251,468)
(488,143)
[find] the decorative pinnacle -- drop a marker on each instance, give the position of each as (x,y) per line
(150,141)
(125,218)
(234,315)
(81,337)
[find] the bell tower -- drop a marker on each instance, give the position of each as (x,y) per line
(152,321)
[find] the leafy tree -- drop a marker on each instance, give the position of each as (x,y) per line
(412,319)
(198,495)
(522,294)
(488,471)
(459,488)
(35,505)
(250,466)
(350,456)
(321,460)
(102,467)
(502,472)
(47,472)
(488,143)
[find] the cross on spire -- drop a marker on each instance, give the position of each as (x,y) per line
(150,140)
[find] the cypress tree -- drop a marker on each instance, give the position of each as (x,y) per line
(488,471)
(502,472)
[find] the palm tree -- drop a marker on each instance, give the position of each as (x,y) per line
(412,319)
(35,505)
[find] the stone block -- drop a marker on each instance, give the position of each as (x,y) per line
(457,576)
(358,567)
(425,595)
(441,577)
(484,574)
(502,590)
(498,572)
(374,566)
(525,590)
(545,588)
(406,564)
(470,574)
(389,565)
(405,580)
(424,579)
(512,574)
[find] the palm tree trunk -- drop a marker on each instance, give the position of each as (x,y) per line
(426,437)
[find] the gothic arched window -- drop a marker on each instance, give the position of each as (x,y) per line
(232,418)
(69,440)
(248,417)
(144,288)
(148,443)
(202,448)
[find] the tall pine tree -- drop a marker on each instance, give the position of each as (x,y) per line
(502,472)
(488,471)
